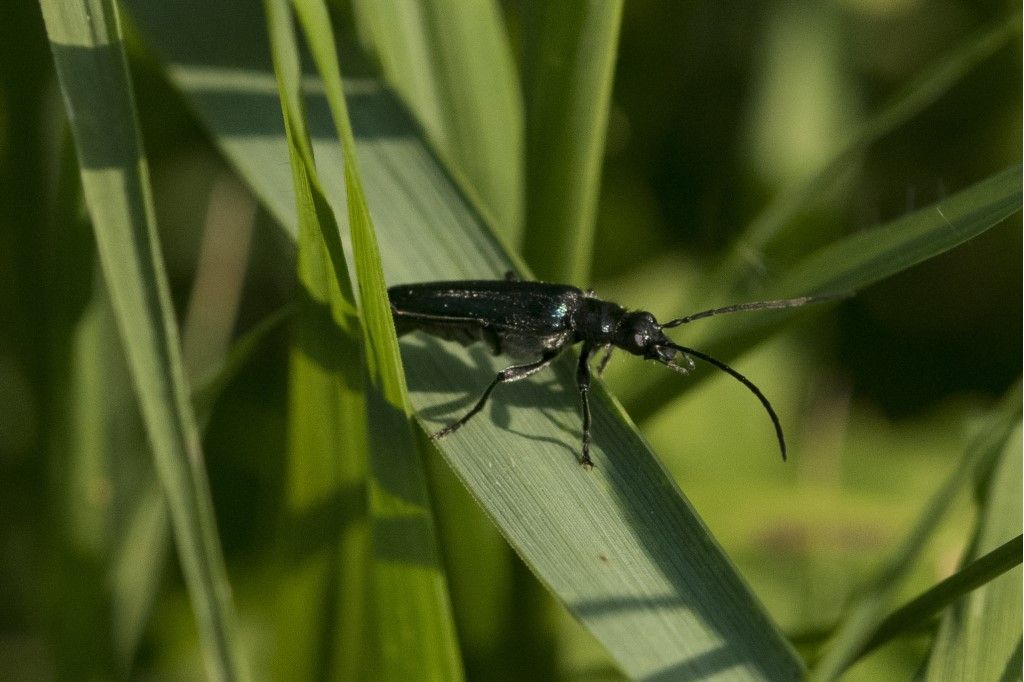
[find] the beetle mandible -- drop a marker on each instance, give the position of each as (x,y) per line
(540,320)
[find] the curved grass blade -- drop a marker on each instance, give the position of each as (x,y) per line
(976,574)
(321,606)
(414,631)
(872,255)
(979,638)
(863,624)
(918,95)
(208,388)
(569,53)
(855,262)
(86,41)
(451,63)
(619,545)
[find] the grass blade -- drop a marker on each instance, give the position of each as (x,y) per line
(210,386)
(872,255)
(918,95)
(619,545)
(451,63)
(855,262)
(976,574)
(568,62)
(864,622)
(86,43)
(414,631)
(979,637)
(323,596)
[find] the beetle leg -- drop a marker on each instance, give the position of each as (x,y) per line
(604,361)
(507,375)
(583,382)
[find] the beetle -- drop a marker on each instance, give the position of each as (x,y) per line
(539,320)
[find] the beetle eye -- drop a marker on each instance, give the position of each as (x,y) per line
(640,340)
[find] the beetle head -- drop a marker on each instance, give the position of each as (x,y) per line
(640,334)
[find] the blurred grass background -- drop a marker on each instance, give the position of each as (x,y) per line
(716,108)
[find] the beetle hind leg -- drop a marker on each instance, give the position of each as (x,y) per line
(505,376)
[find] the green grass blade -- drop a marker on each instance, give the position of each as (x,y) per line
(568,61)
(980,636)
(209,387)
(111,547)
(323,598)
(872,255)
(863,624)
(451,63)
(86,43)
(854,263)
(917,96)
(414,630)
(138,564)
(84,451)
(976,574)
(618,545)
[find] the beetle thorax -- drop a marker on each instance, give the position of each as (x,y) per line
(596,321)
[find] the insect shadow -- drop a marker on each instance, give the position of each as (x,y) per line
(449,370)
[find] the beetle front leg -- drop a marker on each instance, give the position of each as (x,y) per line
(507,375)
(604,361)
(583,383)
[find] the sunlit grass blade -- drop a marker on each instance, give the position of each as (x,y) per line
(618,545)
(451,63)
(568,59)
(979,637)
(86,42)
(866,614)
(413,629)
(917,96)
(324,592)
(855,262)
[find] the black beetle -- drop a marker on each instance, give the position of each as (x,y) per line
(531,319)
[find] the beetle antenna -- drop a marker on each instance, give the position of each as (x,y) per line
(779,304)
(746,382)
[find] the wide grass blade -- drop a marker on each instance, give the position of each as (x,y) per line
(619,545)
(413,633)
(451,63)
(86,41)
(568,58)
